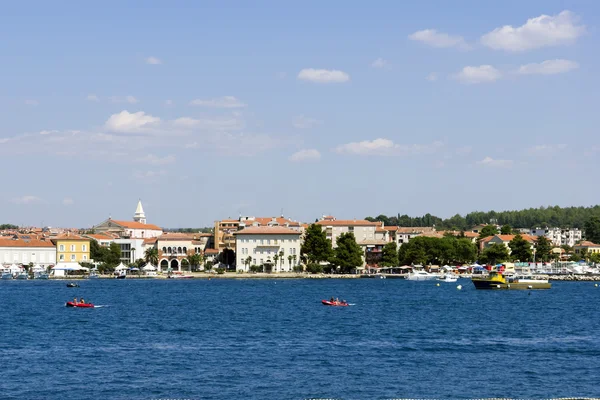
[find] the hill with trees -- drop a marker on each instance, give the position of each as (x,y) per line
(555,216)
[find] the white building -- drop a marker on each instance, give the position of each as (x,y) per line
(362,229)
(136,229)
(25,251)
(558,236)
(274,247)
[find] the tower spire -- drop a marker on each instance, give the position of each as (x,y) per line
(139,215)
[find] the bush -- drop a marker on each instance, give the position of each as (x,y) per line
(256,268)
(328,269)
(208,265)
(298,268)
(220,270)
(314,268)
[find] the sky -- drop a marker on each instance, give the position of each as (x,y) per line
(215,109)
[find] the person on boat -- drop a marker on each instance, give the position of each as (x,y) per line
(332,299)
(75,300)
(82,301)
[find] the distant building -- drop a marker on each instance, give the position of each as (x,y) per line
(586,245)
(559,236)
(505,240)
(136,229)
(72,248)
(276,248)
(224,230)
(25,250)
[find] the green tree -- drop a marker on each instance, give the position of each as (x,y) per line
(520,249)
(466,251)
(506,230)
(592,230)
(390,255)
(97,252)
(594,258)
(347,254)
(151,255)
(113,256)
(316,246)
(185,264)
(275,259)
(543,249)
(495,253)
(195,260)
(290,258)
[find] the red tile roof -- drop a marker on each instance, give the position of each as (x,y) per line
(150,240)
(587,243)
(25,243)
(348,222)
(136,225)
(211,251)
(266,230)
(100,236)
(69,236)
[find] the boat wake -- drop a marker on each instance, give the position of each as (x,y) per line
(100,306)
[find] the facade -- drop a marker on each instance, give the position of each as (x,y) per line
(131,249)
(276,248)
(224,230)
(586,245)
(503,239)
(362,229)
(558,236)
(23,251)
(103,239)
(71,248)
(136,229)
(174,249)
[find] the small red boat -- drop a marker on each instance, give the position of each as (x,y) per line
(82,305)
(334,303)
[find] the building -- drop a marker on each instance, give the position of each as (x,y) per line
(224,230)
(103,239)
(276,248)
(559,236)
(591,248)
(362,229)
(174,249)
(25,250)
(136,229)
(504,239)
(72,248)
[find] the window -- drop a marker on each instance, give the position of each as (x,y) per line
(83,247)
(268,241)
(61,257)
(72,257)
(72,247)
(84,257)
(61,247)
(254,261)
(254,250)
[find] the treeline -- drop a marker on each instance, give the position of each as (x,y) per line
(8,226)
(431,250)
(569,217)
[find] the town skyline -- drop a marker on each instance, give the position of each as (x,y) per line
(213,111)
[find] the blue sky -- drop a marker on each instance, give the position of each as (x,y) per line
(207,110)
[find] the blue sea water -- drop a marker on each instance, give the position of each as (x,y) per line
(272,339)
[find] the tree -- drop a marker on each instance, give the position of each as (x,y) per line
(275,259)
(506,230)
(247,261)
(592,229)
(151,255)
(465,251)
(97,252)
(113,257)
(195,260)
(185,263)
(543,248)
(316,246)
(227,257)
(594,258)
(347,254)
(390,255)
(520,249)
(290,258)
(488,230)
(281,259)
(495,253)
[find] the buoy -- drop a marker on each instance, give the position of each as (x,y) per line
(459,287)
(437,284)
(508,286)
(595,284)
(529,287)
(498,286)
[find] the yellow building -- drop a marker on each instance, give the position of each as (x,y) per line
(72,248)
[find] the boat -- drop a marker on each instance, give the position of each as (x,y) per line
(22,275)
(93,275)
(421,276)
(448,278)
(7,275)
(499,281)
(334,303)
(180,276)
(80,305)
(40,275)
(72,284)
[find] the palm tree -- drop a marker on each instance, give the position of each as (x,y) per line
(151,255)
(294,259)
(195,260)
(281,260)
(290,258)
(247,261)
(275,259)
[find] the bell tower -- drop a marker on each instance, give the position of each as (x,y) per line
(139,215)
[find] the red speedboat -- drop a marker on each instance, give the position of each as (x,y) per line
(334,303)
(82,305)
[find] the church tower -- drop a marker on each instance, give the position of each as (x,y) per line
(139,215)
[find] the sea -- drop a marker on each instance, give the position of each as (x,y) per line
(273,339)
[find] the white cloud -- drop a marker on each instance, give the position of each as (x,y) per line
(219,102)
(28,199)
(542,31)
(220,123)
(546,149)
(92,97)
(434,38)
(323,75)
(148,175)
(303,122)
(131,122)
(67,201)
(386,147)
(381,63)
(305,154)
(127,99)
(48,132)
(548,67)
(432,77)
(490,162)
(153,61)
(32,102)
(480,74)
(156,160)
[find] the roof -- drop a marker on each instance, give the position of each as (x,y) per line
(266,230)
(99,236)
(373,242)
(587,243)
(262,221)
(25,243)
(150,240)
(69,236)
(347,222)
(136,225)
(211,251)
(176,236)
(229,220)
(380,229)
(415,229)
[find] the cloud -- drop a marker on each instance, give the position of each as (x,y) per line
(480,74)
(219,123)
(130,122)
(153,61)
(386,147)
(432,77)
(32,102)
(92,97)
(381,63)
(67,201)
(220,102)
(305,154)
(548,67)
(45,132)
(193,145)
(148,175)
(127,99)
(542,31)
(434,38)
(323,75)
(490,162)
(28,199)
(303,122)
(545,149)
(156,160)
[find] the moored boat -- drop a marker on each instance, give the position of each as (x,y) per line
(448,278)
(499,281)
(419,275)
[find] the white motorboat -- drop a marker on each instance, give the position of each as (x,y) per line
(23,275)
(7,275)
(448,278)
(421,276)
